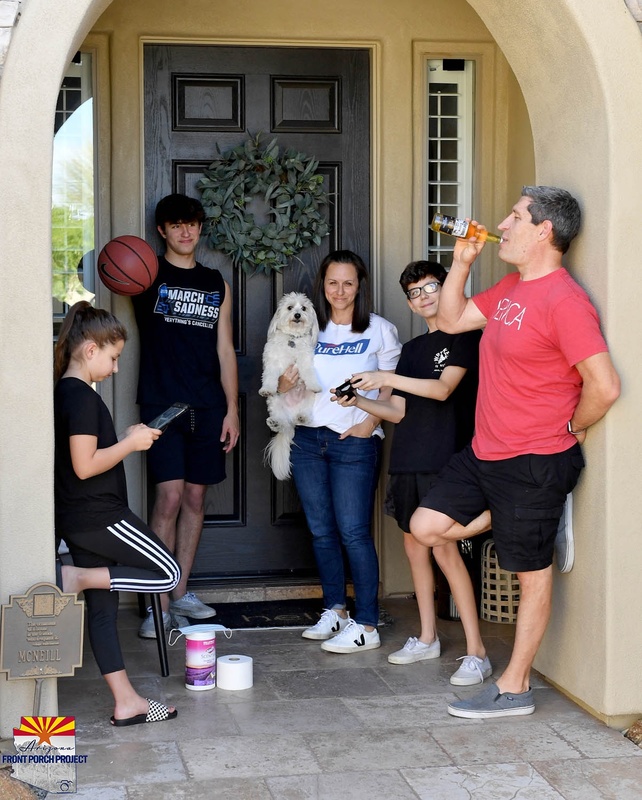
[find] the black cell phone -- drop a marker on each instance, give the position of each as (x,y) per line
(345,390)
(170,414)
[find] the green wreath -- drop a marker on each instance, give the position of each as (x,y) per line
(288,184)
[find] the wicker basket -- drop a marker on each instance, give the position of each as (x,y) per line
(500,589)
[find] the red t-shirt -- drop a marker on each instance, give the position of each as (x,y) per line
(536,332)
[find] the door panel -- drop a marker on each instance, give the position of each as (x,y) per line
(317,101)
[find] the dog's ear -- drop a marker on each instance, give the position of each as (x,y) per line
(314,324)
(274,323)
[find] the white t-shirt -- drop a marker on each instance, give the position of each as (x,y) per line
(339,353)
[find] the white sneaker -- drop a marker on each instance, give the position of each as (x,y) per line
(414,650)
(473,670)
(352,639)
(190,606)
(329,625)
(147,629)
(564,543)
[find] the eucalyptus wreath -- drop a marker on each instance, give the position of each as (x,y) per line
(289,185)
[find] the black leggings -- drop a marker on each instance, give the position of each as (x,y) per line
(138,562)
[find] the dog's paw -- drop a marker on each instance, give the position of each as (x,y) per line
(272,424)
(265,392)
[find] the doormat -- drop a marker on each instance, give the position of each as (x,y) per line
(297,613)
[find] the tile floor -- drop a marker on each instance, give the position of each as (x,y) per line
(320,726)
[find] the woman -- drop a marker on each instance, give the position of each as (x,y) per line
(335,458)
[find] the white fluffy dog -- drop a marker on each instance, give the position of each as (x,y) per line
(291,339)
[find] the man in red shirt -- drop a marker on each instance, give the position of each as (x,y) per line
(545,377)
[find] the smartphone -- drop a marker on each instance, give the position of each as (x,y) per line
(170,414)
(345,390)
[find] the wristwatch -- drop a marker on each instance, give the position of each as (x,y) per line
(570,429)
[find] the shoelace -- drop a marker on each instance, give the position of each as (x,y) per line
(472,664)
(327,616)
(350,630)
(411,643)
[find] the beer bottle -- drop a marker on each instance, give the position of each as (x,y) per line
(454,226)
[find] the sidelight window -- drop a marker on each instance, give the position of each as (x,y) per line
(450,144)
(72,207)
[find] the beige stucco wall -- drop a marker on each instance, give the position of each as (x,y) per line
(399,38)
(28,89)
(571,59)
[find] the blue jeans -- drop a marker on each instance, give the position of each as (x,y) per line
(336,481)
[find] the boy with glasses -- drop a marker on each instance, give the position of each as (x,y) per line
(433,402)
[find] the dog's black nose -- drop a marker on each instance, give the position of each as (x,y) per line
(297,316)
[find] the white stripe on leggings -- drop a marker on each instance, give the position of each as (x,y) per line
(135,538)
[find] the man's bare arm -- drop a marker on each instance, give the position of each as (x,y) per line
(600,389)
(458,313)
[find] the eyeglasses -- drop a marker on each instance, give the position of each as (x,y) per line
(427,288)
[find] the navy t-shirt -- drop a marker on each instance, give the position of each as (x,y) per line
(432,430)
(177,319)
(83,505)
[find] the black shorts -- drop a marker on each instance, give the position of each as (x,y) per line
(404,493)
(525,496)
(190,448)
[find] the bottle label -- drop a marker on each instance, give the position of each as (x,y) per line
(452,226)
(460,228)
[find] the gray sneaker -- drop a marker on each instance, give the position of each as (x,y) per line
(147,629)
(490,703)
(564,543)
(190,606)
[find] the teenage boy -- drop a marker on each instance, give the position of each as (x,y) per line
(186,355)
(433,404)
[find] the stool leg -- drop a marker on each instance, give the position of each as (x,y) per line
(157,612)
(142,608)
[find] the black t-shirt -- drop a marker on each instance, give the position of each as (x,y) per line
(95,502)
(432,430)
(177,319)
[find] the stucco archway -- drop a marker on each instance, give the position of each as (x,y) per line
(571,58)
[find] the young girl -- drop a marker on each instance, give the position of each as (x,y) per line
(112,549)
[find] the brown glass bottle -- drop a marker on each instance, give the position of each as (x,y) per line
(462,229)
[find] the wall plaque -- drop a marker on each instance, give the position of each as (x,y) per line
(41,633)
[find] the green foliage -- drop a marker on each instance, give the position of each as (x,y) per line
(290,186)
(68,234)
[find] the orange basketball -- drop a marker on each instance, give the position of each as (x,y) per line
(127,265)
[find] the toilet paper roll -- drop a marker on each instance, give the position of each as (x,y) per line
(234,672)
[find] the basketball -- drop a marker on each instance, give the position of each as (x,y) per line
(127,265)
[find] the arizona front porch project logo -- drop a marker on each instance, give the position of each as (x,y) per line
(46,753)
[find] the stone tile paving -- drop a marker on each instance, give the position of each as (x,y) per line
(320,726)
